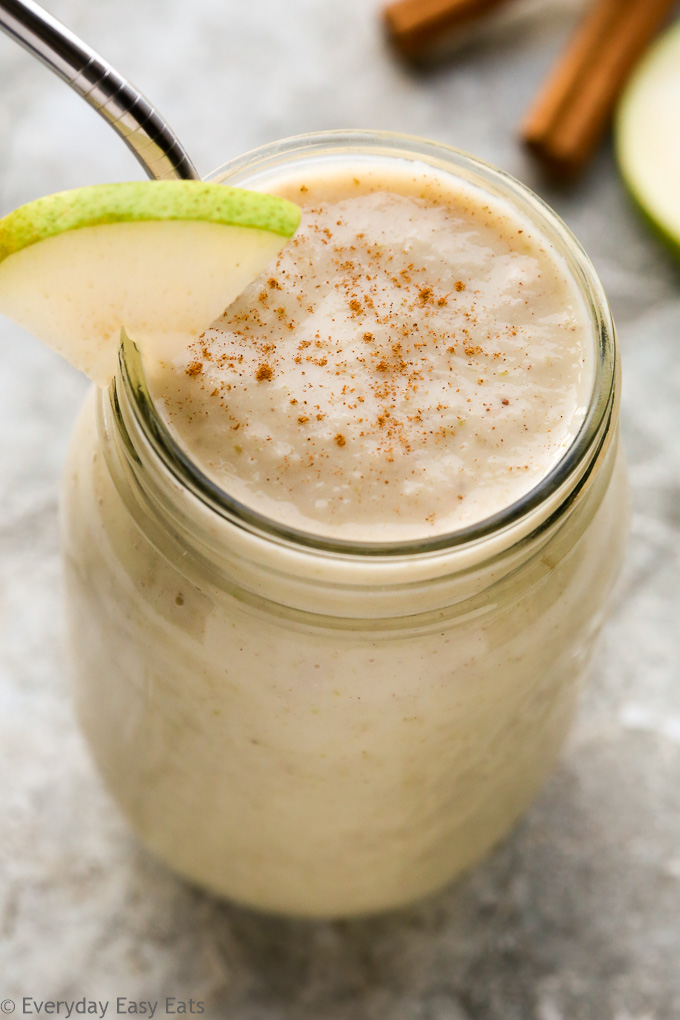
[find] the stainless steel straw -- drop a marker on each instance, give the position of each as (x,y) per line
(118,101)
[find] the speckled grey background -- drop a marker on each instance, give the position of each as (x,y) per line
(577,915)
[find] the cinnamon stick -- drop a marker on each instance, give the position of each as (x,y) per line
(575,104)
(414,25)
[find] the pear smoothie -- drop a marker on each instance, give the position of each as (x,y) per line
(336,567)
(415,360)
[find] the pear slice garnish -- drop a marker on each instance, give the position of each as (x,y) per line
(161,258)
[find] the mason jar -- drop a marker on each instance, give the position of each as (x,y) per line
(318,727)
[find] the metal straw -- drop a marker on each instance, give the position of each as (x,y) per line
(118,101)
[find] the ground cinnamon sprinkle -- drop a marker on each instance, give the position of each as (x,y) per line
(377,349)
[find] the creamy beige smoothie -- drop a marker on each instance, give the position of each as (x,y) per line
(417,359)
(335,574)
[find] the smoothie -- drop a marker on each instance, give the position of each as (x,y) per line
(416,359)
(334,576)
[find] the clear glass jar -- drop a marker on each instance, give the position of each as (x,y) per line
(308,726)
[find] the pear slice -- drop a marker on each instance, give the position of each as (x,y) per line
(648,136)
(161,258)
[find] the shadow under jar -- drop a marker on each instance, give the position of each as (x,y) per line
(318,726)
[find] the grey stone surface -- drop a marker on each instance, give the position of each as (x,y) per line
(577,915)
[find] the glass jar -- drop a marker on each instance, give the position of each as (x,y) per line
(309,726)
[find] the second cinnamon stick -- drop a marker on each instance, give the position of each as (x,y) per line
(575,105)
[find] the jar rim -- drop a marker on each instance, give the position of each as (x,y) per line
(582,450)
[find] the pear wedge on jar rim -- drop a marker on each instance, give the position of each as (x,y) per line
(162,259)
